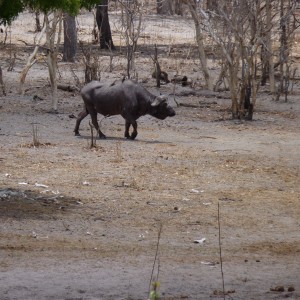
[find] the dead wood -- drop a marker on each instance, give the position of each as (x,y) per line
(163,76)
(189,105)
(68,88)
(12,62)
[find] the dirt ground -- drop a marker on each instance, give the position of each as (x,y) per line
(82,223)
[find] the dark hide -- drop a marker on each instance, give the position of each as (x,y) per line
(127,98)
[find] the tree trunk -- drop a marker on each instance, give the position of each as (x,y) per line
(178,7)
(157,68)
(2,83)
(212,5)
(265,67)
(53,42)
(269,46)
(70,38)
(199,38)
(102,19)
(52,67)
(266,51)
(233,84)
(38,27)
(31,61)
(164,7)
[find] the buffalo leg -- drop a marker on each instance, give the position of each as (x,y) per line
(93,114)
(127,126)
(134,132)
(80,117)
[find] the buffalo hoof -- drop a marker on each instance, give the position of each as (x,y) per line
(133,136)
(77,134)
(102,136)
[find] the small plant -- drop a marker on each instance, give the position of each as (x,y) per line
(35,135)
(118,151)
(92,65)
(118,158)
(154,294)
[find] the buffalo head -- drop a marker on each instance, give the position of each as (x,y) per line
(161,109)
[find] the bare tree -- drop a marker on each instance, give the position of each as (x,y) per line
(242,32)
(132,16)
(92,65)
(200,36)
(53,29)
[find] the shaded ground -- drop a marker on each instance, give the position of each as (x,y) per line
(81,223)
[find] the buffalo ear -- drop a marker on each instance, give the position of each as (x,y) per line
(159,99)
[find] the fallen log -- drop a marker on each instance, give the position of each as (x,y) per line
(68,88)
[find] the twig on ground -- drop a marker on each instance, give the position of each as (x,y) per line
(154,263)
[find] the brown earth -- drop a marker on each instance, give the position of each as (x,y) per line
(81,223)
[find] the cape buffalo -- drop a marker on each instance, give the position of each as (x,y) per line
(127,98)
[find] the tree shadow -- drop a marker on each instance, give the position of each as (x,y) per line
(20,205)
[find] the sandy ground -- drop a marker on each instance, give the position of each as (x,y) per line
(81,223)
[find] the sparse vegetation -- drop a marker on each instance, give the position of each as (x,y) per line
(85,223)
(35,135)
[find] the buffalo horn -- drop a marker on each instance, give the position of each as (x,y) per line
(159,99)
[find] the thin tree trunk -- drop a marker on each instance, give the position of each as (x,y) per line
(233,83)
(269,46)
(164,7)
(157,68)
(178,7)
(52,67)
(31,61)
(53,46)
(38,27)
(212,4)
(2,83)
(202,55)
